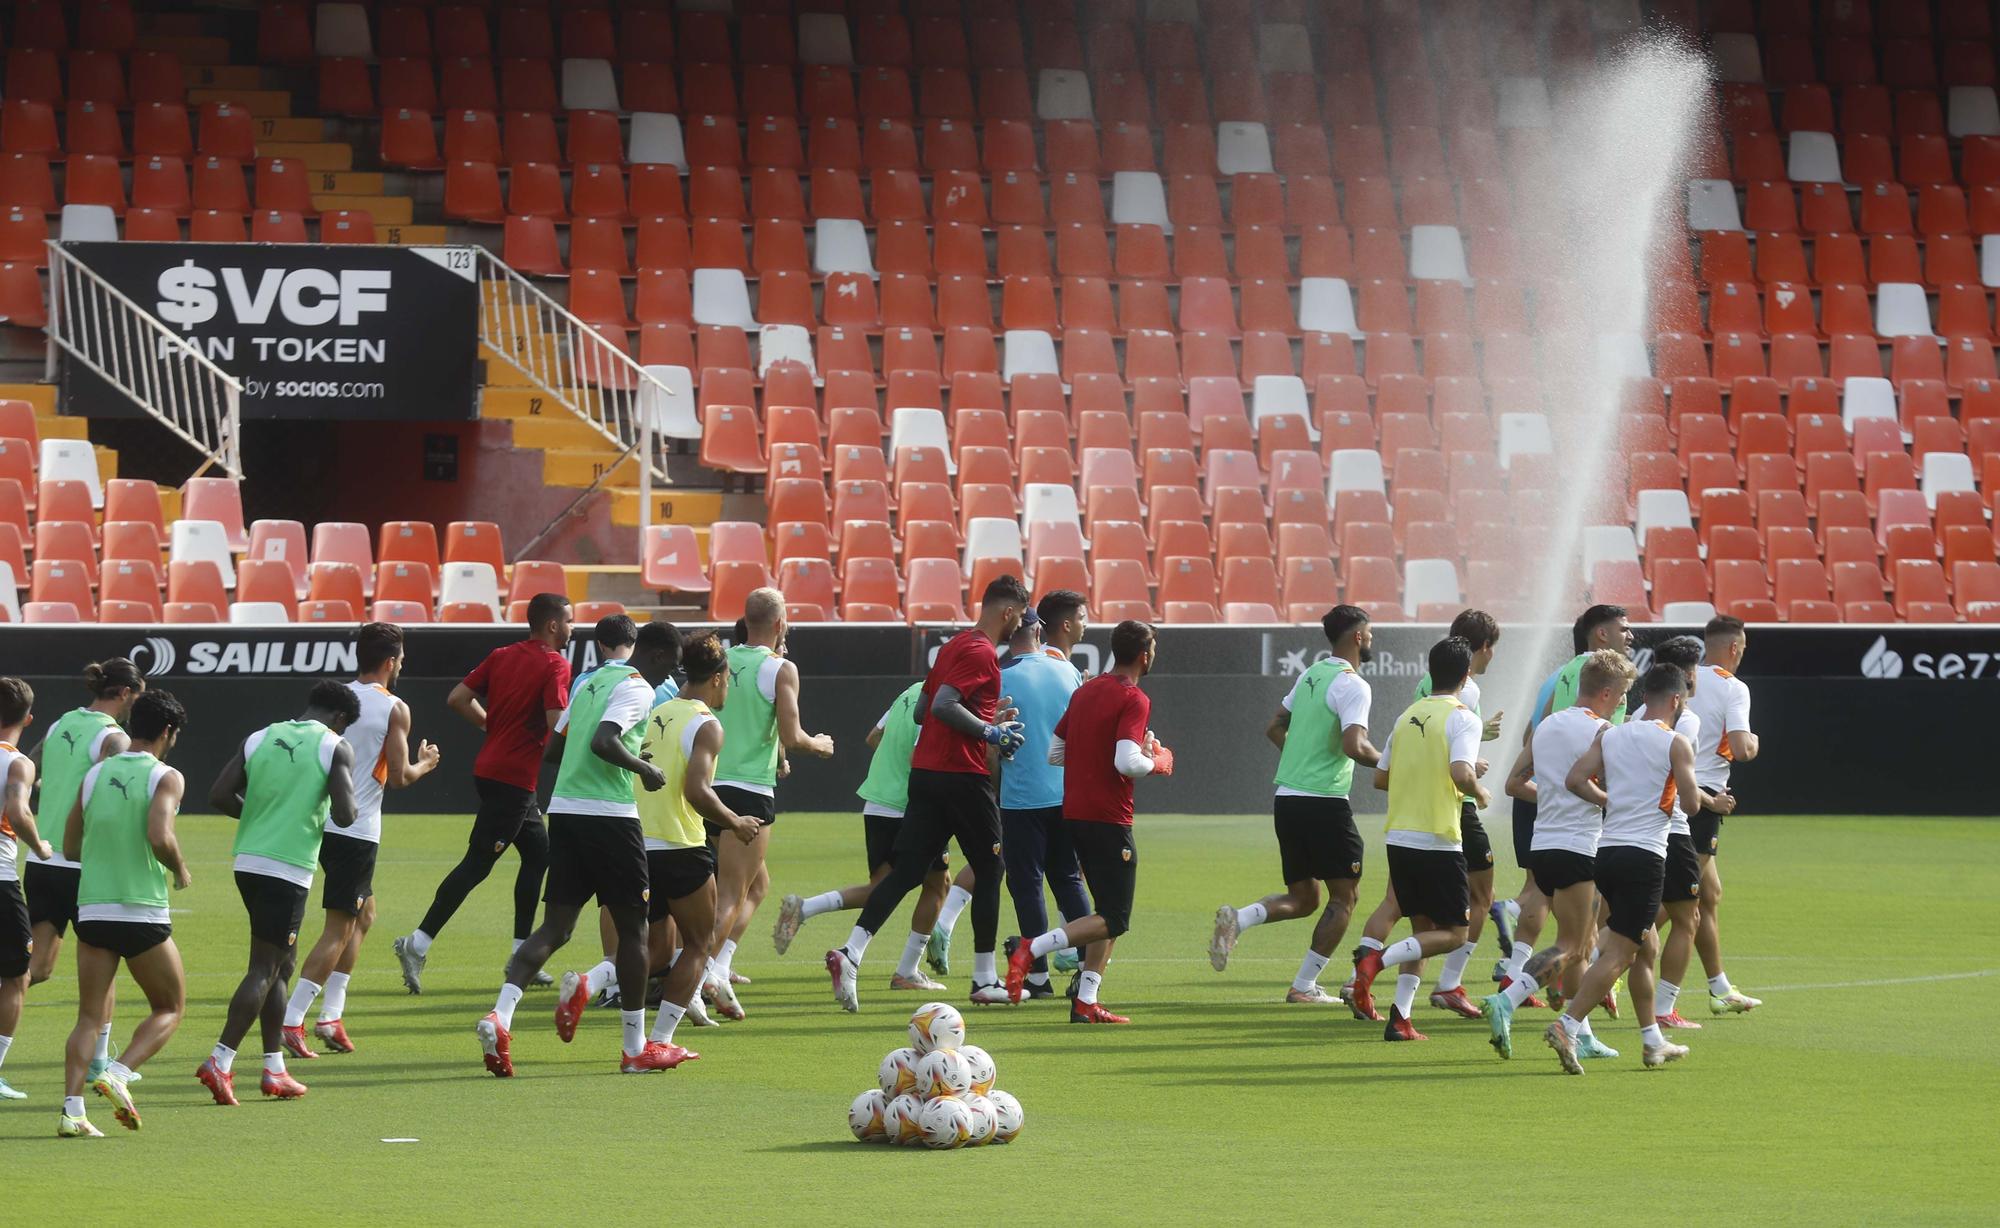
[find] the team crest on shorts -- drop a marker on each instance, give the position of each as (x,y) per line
(1468,916)
(292,939)
(996,848)
(1124,854)
(1356,867)
(1712,841)
(646,895)
(357,903)
(499,846)
(1489,857)
(1694,888)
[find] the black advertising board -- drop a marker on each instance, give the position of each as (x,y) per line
(314,332)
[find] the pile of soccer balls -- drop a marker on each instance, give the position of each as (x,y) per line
(938,1091)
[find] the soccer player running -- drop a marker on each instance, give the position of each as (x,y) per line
(596,849)
(1565,843)
(281,786)
(1321,732)
(885,795)
(1428,763)
(121,829)
(514,697)
(380,740)
(1722,702)
(760,724)
(683,738)
(1103,744)
(1644,766)
(17,831)
(951,789)
(1681,889)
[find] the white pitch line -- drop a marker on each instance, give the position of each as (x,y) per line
(1899,980)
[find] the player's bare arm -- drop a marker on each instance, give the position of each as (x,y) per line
(1587,771)
(608,744)
(1465,776)
(1355,745)
(1681,756)
(790,732)
(1521,781)
(160,827)
(20,816)
(1742,745)
(403,770)
(468,704)
(340,786)
(698,785)
(1275,732)
(72,845)
(226,794)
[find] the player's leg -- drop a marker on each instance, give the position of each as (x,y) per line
(1449,993)
(633,965)
(1520,919)
(96,968)
(693,913)
(878,837)
(532,845)
(334,936)
(956,897)
(1024,841)
(48,943)
(1114,879)
(1328,931)
(1613,958)
(1680,915)
(1723,998)
(16,942)
(51,893)
(735,865)
(161,978)
(746,909)
(976,824)
(920,840)
(497,823)
(1295,821)
(1065,878)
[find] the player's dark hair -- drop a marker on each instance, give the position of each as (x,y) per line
(1722,625)
(660,637)
(1450,662)
(17,699)
(1663,680)
(1477,628)
(1340,620)
(545,608)
(615,631)
(1591,619)
(1005,588)
(702,657)
(1057,605)
(106,678)
(375,645)
(155,712)
(335,697)
(1682,652)
(1130,640)
(739,632)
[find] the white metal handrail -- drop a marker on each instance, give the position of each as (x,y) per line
(158,369)
(569,361)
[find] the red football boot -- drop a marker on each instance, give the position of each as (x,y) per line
(294,1041)
(571,999)
(494,1041)
(280,1085)
(1020,962)
(333,1036)
(220,1083)
(1399,1028)
(1091,1012)
(1673,1019)
(655,1056)
(1367,966)
(1455,1001)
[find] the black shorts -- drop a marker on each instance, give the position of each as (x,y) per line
(17,941)
(675,874)
(1630,881)
(125,939)
(879,833)
(1431,883)
(1110,862)
(1478,845)
(1706,828)
(1317,839)
(277,908)
(947,806)
(350,871)
(1683,870)
(1558,868)
(503,810)
(596,855)
(760,806)
(1524,834)
(51,894)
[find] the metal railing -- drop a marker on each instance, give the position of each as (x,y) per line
(158,369)
(569,361)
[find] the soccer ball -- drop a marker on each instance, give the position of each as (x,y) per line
(943,1072)
(898,1071)
(865,1116)
(981,1063)
(985,1120)
(936,1025)
(946,1123)
(1008,1111)
(899,1120)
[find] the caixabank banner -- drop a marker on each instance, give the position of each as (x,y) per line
(314,332)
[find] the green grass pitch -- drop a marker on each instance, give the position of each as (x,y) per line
(1859,1093)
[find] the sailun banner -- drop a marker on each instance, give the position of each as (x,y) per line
(340,332)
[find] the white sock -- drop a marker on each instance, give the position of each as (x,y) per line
(982,969)
(825,901)
(1038,978)
(1406,992)
(1513,909)
(1049,943)
(1309,969)
(913,950)
(1583,1027)
(1252,914)
(1406,951)
(103,1051)
(510,997)
(1453,974)
(955,901)
(857,945)
(301,1001)
(1523,952)
(727,956)
(420,942)
(635,1028)
(274,1063)
(597,978)
(1651,1035)
(334,1004)
(1086,987)
(1520,988)
(224,1058)
(665,1022)
(1718,985)
(1574,1027)
(516,946)
(72,1106)
(6,1043)
(1665,998)
(119,1071)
